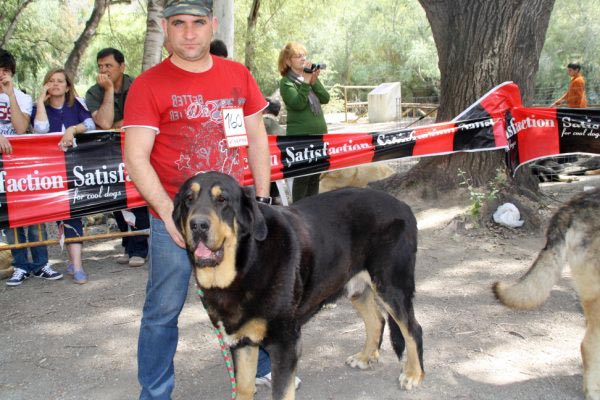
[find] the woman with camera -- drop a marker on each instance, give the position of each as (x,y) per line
(303,94)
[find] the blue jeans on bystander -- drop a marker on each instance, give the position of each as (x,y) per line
(135,246)
(264,363)
(39,254)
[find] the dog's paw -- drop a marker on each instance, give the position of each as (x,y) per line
(362,361)
(410,381)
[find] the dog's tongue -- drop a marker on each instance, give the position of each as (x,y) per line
(202,251)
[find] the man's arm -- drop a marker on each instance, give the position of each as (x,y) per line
(258,153)
(18,118)
(561,100)
(104,116)
(138,146)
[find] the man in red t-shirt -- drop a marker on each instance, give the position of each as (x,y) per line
(174,129)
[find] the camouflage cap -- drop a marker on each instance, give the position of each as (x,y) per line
(188,7)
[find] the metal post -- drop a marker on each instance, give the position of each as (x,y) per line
(346,103)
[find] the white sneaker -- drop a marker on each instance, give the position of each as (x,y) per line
(136,261)
(123,259)
(19,275)
(266,381)
(48,273)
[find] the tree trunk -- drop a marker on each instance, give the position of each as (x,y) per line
(153,42)
(13,23)
(223,10)
(480,44)
(81,44)
(250,33)
(483,43)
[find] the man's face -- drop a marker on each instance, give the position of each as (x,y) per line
(5,74)
(189,36)
(571,71)
(111,68)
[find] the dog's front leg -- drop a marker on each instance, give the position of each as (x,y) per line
(245,359)
(284,358)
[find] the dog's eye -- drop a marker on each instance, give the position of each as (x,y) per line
(189,197)
(221,199)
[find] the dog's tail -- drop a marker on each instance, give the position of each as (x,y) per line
(534,287)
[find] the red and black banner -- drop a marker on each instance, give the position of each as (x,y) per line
(294,156)
(481,127)
(535,133)
(39,182)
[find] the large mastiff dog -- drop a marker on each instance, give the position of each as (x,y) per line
(267,270)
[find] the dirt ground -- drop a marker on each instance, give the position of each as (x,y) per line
(65,341)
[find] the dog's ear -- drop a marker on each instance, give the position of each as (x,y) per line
(252,217)
(179,206)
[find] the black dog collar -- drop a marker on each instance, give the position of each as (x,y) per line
(265,200)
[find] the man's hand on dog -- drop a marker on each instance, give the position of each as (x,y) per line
(175,235)
(171,227)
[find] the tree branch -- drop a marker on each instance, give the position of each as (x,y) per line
(13,24)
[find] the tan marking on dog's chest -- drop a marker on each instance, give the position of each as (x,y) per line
(255,330)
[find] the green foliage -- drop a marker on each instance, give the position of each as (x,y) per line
(362,42)
(47,29)
(572,37)
(484,194)
(122,27)
(40,41)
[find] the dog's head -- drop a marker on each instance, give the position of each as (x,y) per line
(213,212)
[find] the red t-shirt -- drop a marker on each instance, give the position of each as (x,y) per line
(185,110)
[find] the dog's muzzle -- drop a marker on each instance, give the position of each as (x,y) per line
(205,257)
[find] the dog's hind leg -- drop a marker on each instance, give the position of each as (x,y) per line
(590,349)
(362,296)
(405,332)
(396,337)
(585,269)
(582,256)
(245,359)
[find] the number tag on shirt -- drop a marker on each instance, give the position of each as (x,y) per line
(235,130)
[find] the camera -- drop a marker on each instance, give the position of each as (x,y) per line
(314,67)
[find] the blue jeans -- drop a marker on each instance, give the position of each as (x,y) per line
(39,254)
(135,246)
(169,272)
(264,363)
